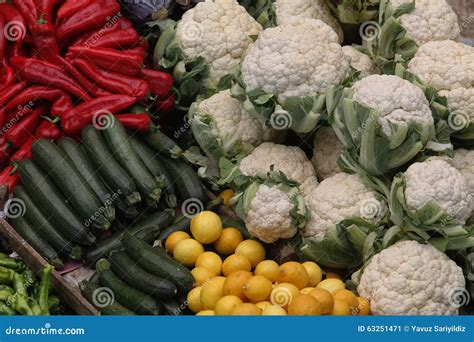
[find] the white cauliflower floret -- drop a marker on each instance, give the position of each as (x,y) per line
(448,67)
(436,181)
(340,197)
(219,31)
(269,216)
(431,20)
(290,160)
(464,162)
(397,100)
(311,9)
(409,278)
(360,61)
(327,149)
(288,61)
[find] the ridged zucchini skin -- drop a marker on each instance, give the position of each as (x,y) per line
(91,291)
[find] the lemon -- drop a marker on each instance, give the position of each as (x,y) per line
(228,241)
(332,285)
(293,272)
(257,288)
(194,300)
(206,227)
(174,239)
(332,275)
(211,292)
(340,308)
(315,273)
(211,261)
(187,252)
(226,196)
(283,294)
(252,250)
(234,263)
(234,284)
(262,305)
(245,309)
(206,313)
(274,310)
(325,298)
(348,297)
(201,275)
(225,305)
(306,290)
(364,306)
(268,269)
(304,305)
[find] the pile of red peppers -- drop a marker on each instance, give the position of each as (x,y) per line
(64,62)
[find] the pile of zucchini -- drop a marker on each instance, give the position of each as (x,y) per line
(73,192)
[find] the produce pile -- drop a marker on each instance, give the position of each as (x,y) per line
(227,157)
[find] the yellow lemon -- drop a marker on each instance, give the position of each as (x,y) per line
(257,288)
(187,252)
(306,290)
(304,305)
(234,284)
(283,294)
(245,309)
(226,196)
(262,305)
(332,285)
(174,239)
(206,313)
(274,310)
(211,292)
(211,261)
(340,308)
(234,263)
(332,275)
(293,272)
(201,275)
(206,227)
(268,269)
(228,241)
(194,299)
(325,298)
(252,250)
(315,273)
(225,305)
(364,306)
(348,297)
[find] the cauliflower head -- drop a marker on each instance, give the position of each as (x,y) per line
(464,162)
(327,149)
(312,9)
(397,100)
(288,61)
(340,197)
(431,20)
(219,31)
(268,217)
(436,181)
(223,127)
(290,160)
(409,278)
(360,61)
(448,67)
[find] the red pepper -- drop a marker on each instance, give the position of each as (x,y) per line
(61,101)
(28,9)
(137,122)
(48,130)
(3,38)
(128,62)
(91,17)
(5,148)
(19,133)
(44,31)
(92,88)
(24,152)
(7,77)
(118,39)
(164,106)
(75,119)
(10,92)
(16,50)
(9,177)
(115,82)
(69,8)
(160,82)
(15,22)
(47,74)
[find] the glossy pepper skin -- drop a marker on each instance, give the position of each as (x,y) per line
(24,152)
(136,122)
(91,38)
(165,105)
(160,82)
(42,72)
(112,81)
(7,77)
(9,177)
(3,38)
(48,130)
(5,149)
(78,117)
(20,131)
(127,62)
(44,32)
(12,15)
(69,8)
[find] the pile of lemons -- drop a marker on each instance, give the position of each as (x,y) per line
(242,282)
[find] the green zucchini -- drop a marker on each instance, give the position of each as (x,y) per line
(119,143)
(133,299)
(60,169)
(127,270)
(86,168)
(45,228)
(6,310)
(157,262)
(187,182)
(151,161)
(171,307)
(29,234)
(108,167)
(147,230)
(52,203)
(91,291)
(161,143)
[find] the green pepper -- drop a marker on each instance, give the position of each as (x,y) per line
(43,291)
(54,305)
(5,310)
(6,275)
(6,293)
(35,308)
(29,277)
(13,264)
(20,302)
